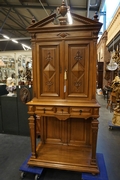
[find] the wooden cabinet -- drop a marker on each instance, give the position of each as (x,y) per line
(64,91)
(100,75)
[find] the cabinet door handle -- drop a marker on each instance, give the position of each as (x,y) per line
(65,78)
(65,75)
(80,112)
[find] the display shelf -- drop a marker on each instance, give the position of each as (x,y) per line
(15,63)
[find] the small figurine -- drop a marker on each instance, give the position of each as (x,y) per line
(10,86)
(28,73)
(22,79)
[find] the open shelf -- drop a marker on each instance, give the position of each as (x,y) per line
(64,157)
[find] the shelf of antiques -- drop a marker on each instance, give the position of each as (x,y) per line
(64,92)
(15,90)
(114,100)
(17,65)
(116,110)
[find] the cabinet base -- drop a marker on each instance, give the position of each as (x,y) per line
(64,157)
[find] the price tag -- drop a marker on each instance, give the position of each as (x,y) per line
(64,88)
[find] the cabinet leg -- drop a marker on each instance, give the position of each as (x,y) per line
(94,125)
(32,126)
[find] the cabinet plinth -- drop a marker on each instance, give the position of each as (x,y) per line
(64,90)
(64,157)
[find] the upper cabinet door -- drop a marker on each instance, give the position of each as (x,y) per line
(49,69)
(77,58)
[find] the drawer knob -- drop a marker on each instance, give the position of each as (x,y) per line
(62,111)
(44,110)
(80,112)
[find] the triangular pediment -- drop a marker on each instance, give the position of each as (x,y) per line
(44,22)
(50,22)
(81,20)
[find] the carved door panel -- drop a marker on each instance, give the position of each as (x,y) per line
(73,131)
(59,61)
(49,69)
(77,67)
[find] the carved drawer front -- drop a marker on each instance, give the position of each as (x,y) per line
(77,111)
(62,110)
(44,110)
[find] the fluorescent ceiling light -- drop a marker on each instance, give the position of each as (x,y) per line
(69,17)
(6,37)
(14,41)
(25,47)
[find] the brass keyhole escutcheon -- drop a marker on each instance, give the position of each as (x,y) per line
(80,112)
(44,110)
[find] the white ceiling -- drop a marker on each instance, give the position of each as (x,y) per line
(16,16)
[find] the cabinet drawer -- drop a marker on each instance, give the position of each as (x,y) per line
(44,110)
(62,110)
(77,111)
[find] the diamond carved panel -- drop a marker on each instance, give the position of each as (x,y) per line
(78,70)
(49,71)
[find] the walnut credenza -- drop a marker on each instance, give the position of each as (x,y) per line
(64,94)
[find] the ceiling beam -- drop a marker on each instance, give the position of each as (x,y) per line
(5,19)
(38,7)
(13,19)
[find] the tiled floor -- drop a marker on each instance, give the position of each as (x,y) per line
(108,141)
(15,149)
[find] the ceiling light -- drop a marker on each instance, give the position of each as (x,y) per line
(6,37)
(69,17)
(14,41)
(25,47)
